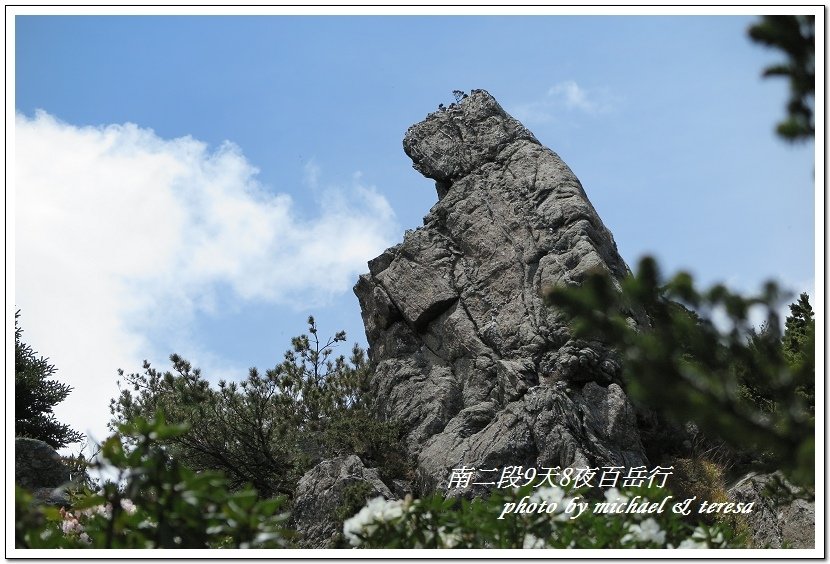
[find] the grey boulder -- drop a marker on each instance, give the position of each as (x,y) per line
(775,525)
(323,494)
(39,468)
(38,465)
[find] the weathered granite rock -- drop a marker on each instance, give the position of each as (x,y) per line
(325,489)
(467,355)
(38,465)
(39,469)
(789,525)
(56,497)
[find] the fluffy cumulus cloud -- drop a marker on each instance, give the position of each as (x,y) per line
(119,232)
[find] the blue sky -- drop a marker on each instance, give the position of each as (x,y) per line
(263,167)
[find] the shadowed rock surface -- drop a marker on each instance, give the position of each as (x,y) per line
(39,468)
(771,525)
(467,355)
(324,490)
(38,465)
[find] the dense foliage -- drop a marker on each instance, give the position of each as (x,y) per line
(270,428)
(36,394)
(154,502)
(734,383)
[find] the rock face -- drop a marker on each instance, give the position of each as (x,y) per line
(788,525)
(37,465)
(39,469)
(467,355)
(332,484)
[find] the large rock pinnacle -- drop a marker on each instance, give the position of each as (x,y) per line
(467,355)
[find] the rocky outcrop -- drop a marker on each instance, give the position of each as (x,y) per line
(37,465)
(331,491)
(466,353)
(771,524)
(39,469)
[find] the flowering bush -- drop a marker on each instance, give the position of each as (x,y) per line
(545,521)
(71,524)
(154,503)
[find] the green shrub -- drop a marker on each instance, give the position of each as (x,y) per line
(272,427)
(154,503)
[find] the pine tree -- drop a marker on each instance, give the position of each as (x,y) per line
(798,327)
(798,344)
(269,428)
(35,394)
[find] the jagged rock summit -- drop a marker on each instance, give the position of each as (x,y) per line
(467,355)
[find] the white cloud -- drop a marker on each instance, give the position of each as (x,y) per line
(561,98)
(573,96)
(120,233)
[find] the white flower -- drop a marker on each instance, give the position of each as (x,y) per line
(104,511)
(691,543)
(445,539)
(448,540)
(718,539)
(531,541)
(700,533)
(71,525)
(613,495)
(548,494)
(85,537)
(552,496)
(356,525)
(378,510)
(392,510)
(128,506)
(560,514)
(647,531)
(703,538)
